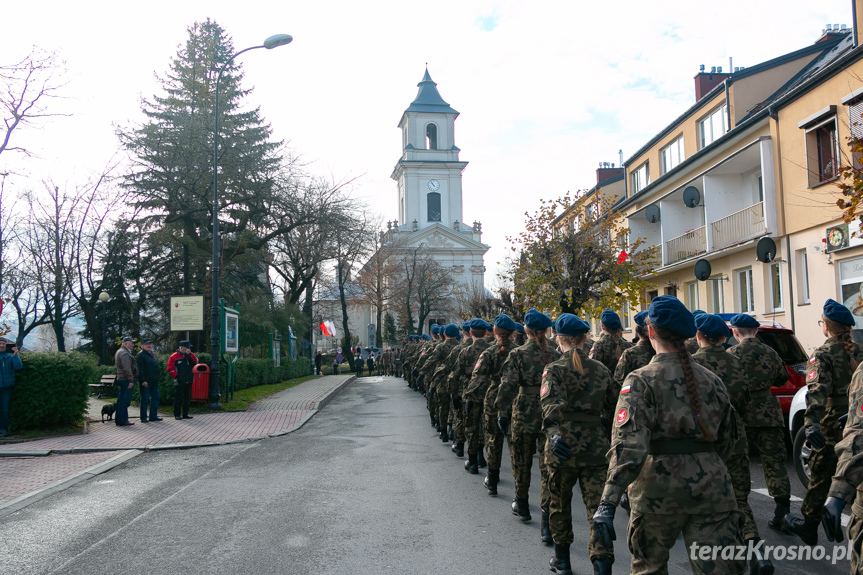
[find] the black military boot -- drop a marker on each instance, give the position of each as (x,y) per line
(480,459)
(602,566)
(490,482)
(470,464)
(459,449)
(521,509)
(758,566)
(450,432)
(433,420)
(783,508)
(803,527)
(444,436)
(560,562)
(452,447)
(544,531)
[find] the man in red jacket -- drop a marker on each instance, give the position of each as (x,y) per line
(180,366)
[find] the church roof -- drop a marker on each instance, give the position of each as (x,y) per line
(429,99)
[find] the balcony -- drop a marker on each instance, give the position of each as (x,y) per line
(690,244)
(739,226)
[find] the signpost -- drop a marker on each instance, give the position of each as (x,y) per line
(187,313)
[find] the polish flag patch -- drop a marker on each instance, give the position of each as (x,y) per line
(625,389)
(544,373)
(622,416)
(812,360)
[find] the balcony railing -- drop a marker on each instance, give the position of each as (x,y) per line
(690,244)
(739,226)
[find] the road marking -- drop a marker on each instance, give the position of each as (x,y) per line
(762,491)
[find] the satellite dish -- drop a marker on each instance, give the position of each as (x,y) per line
(691,197)
(702,270)
(765,250)
(652,213)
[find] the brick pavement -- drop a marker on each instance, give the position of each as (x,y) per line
(73,455)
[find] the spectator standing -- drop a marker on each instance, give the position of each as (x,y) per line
(319,363)
(10,362)
(180,366)
(127,374)
(148,375)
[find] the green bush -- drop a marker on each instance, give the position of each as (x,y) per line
(51,389)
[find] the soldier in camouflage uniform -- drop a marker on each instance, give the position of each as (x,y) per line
(456,405)
(458,383)
(712,333)
(848,478)
(673,428)
(828,378)
(424,375)
(481,396)
(634,357)
(436,385)
(518,403)
(611,344)
(765,430)
(576,394)
(441,381)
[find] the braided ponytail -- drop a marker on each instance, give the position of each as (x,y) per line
(503,336)
(541,342)
(842,332)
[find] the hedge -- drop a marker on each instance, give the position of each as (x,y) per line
(52,388)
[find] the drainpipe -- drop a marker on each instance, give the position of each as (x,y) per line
(790,282)
(727,103)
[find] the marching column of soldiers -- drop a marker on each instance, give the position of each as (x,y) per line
(662,428)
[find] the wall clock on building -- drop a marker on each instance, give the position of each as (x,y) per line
(434,185)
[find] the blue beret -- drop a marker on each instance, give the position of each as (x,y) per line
(535,319)
(699,312)
(465,326)
(459,336)
(639,318)
(519,328)
(480,324)
(569,324)
(426,337)
(610,319)
(669,313)
(435,329)
(835,311)
(451,330)
(489,326)
(744,320)
(712,326)
(503,321)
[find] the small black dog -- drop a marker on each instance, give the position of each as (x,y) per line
(108,409)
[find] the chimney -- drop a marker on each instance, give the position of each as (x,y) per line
(607,171)
(706,81)
(833,31)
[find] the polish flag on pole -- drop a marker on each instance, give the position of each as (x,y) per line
(324,329)
(331,328)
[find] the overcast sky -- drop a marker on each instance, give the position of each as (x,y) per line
(546,90)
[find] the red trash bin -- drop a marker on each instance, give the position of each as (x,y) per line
(200,382)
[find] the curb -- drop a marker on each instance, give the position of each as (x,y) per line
(61,484)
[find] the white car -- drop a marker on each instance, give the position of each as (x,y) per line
(800,449)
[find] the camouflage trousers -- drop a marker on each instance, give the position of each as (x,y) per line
(522,448)
(561,483)
(769,443)
(650,536)
(493,442)
(855,535)
(458,422)
(473,430)
(442,402)
(741,480)
(822,465)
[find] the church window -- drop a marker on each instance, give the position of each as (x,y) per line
(433,204)
(431,137)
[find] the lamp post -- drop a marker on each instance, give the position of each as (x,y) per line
(104,297)
(215,348)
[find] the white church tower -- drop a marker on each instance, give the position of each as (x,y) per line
(428,175)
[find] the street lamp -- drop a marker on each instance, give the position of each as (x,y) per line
(104,297)
(215,349)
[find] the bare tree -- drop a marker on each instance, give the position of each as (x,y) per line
(423,286)
(375,280)
(25,89)
(473,300)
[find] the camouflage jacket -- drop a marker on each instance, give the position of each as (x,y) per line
(828,376)
(573,405)
(658,448)
(440,377)
(434,359)
(466,361)
(426,353)
(520,380)
(764,369)
(485,378)
(730,371)
(607,350)
(849,470)
(632,358)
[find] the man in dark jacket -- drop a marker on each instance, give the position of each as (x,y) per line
(10,362)
(148,375)
(319,364)
(180,366)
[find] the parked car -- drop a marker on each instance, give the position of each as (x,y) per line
(800,450)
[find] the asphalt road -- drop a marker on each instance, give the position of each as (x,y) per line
(364,488)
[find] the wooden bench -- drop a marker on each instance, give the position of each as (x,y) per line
(107,383)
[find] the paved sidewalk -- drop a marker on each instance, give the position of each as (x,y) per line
(34,469)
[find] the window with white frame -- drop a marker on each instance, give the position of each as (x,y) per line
(624,315)
(775,293)
(716,294)
(713,126)
(745,294)
(692,295)
(671,155)
(803,275)
(822,152)
(640,177)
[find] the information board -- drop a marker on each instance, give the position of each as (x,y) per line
(187,313)
(232,332)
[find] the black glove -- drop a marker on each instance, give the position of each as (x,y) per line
(831,519)
(468,407)
(503,424)
(814,436)
(624,502)
(456,402)
(603,524)
(559,447)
